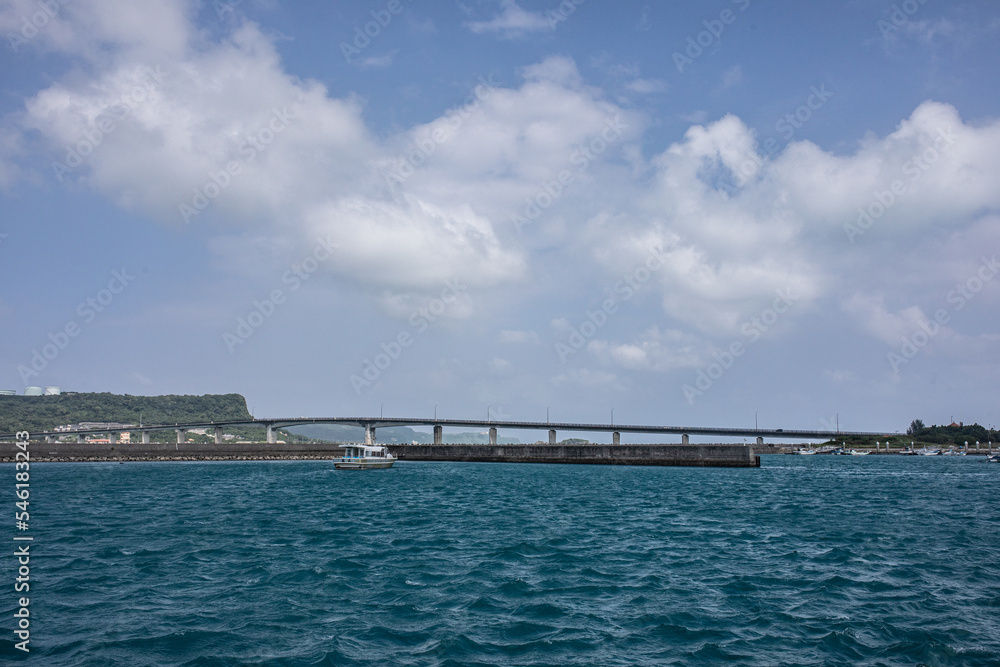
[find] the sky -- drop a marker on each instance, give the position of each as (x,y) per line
(687,213)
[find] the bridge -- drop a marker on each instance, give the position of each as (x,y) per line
(370,424)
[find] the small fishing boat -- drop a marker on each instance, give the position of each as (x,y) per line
(993,458)
(364,457)
(854,452)
(929,452)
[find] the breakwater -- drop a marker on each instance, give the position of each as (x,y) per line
(729,456)
(726,456)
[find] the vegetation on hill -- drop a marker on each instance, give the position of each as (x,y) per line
(934,437)
(44,413)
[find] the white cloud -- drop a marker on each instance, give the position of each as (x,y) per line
(518,337)
(512,22)
(653,350)
(731,77)
(733,226)
(646,86)
(871,314)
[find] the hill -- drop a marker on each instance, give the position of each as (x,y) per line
(928,436)
(44,413)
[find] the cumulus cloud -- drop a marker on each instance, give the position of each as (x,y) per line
(653,350)
(513,21)
(191,131)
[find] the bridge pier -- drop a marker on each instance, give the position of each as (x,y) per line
(145,437)
(685,440)
(369,435)
(50,438)
(271,437)
(760,440)
(438,435)
(493,435)
(218,435)
(113,438)
(616,438)
(552,436)
(180,436)
(80,439)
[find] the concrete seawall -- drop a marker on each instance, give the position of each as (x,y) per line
(727,456)
(730,456)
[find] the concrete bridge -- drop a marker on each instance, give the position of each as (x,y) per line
(370,424)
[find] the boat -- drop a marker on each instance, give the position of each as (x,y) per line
(854,452)
(804,452)
(929,452)
(364,457)
(993,458)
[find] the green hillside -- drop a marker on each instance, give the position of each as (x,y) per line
(928,436)
(44,413)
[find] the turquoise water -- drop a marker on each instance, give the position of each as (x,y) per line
(807,560)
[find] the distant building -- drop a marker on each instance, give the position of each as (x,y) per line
(91,426)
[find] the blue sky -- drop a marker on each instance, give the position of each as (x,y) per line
(688,213)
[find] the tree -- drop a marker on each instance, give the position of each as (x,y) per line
(916,426)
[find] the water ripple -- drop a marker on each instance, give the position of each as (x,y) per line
(808,561)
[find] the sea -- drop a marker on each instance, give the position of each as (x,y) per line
(808,560)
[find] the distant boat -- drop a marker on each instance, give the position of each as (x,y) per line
(929,452)
(804,452)
(993,458)
(364,457)
(855,452)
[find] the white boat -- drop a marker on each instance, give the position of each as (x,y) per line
(364,457)
(929,452)
(855,452)
(993,458)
